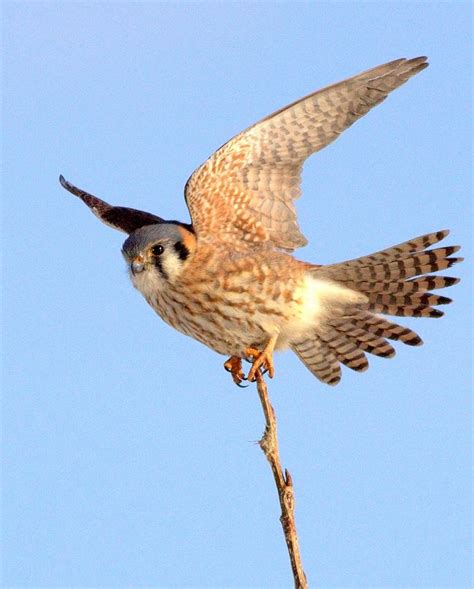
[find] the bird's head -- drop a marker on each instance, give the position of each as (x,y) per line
(156,250)
(160,250)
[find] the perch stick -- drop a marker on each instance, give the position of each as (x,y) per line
(284,484)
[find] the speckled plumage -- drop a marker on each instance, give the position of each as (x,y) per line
(229,279)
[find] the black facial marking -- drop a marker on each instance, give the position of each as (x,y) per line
(181,250)
(157,262)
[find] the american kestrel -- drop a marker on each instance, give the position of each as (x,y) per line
(229,280)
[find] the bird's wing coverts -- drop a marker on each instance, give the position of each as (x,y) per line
(244,192)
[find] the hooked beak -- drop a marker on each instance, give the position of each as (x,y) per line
(137,265)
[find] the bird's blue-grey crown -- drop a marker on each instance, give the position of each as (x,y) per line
(140,239)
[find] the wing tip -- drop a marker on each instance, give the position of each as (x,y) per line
(72,189)
(415,64)
(420,60)
(64,183)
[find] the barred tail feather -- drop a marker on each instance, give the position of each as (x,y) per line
(384,328)
(345,349)
(395,281)
(365,340)
(319,359)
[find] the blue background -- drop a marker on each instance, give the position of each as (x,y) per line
(129,456)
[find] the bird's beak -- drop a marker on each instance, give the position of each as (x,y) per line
(137,265)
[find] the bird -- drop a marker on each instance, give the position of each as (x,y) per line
(229,278)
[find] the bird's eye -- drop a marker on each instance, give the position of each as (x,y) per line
(157,250)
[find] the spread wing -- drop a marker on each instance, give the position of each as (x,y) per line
(244,192)
(120,218)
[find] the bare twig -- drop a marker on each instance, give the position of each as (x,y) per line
(284,484)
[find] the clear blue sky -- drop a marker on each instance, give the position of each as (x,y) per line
(129,456)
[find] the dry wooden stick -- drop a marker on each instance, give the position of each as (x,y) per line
(284,484)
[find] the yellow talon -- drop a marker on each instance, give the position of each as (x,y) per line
(234,366)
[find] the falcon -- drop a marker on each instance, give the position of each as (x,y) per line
(229,279)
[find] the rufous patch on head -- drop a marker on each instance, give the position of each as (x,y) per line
(188,238)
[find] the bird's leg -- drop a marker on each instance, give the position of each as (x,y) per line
(234,366)
(262,359)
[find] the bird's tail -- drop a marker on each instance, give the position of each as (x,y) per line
(395,281)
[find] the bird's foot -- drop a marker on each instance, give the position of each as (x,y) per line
(260,360)
(234,366)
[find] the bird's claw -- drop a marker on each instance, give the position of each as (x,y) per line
(261,362)
(234,366)
(241,386)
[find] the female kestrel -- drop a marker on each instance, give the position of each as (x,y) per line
(229,279)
